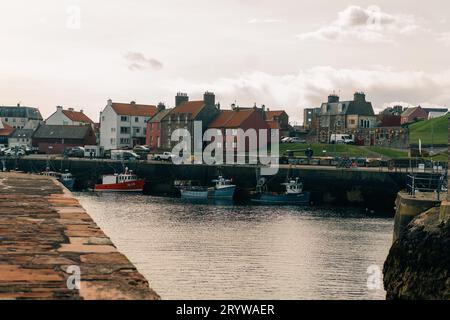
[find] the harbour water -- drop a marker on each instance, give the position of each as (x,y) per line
(222,251)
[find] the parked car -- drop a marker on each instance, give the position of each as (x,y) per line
(167,156)
(124,155)
(141,149)
(297,140)
(14,152)
(75,152)
(286,140)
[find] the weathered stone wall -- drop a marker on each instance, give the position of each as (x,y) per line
(45,236)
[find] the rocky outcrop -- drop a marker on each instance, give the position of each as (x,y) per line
(418,264)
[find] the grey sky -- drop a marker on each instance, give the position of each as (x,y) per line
(277,53)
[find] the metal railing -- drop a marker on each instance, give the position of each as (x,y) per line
(427,183)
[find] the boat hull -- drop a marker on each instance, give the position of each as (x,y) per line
(226,193)
(194,194)
(130,186)
(283,199)
(222,193)
(68,183)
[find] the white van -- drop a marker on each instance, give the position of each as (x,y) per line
(342,138)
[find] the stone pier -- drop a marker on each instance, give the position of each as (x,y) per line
(46,237)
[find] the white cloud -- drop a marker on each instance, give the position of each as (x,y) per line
(369,25)
(138,62)
(310,87)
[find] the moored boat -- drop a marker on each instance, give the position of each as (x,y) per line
(293,194)
(66,178)
(123,182)
(222,189)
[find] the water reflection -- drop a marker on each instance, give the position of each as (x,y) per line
(221,250)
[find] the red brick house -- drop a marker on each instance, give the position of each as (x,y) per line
(54,139)
(239,118)
(279,119)
(153,136)
(411,115)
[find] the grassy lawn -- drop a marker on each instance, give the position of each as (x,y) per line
(423,129)
(389,153)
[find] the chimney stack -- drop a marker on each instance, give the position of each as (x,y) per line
(209,99)
(133,102)
(180,98)
(359,96)
(70,109)
(333,98)
(59,108)
(161,106)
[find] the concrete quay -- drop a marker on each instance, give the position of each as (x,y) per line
(46,237)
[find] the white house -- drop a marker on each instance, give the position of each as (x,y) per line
(20,138)
(68,117)
(124,124)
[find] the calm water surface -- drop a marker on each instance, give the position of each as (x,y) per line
(201,251)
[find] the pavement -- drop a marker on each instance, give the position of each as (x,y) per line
(50,248)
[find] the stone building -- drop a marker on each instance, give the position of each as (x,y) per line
(21,117)
(345,117)
(184,114)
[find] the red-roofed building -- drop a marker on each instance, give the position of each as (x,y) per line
(183,116)
(124,125)
(229,121)
(281,118)
(5,131)
(68,117)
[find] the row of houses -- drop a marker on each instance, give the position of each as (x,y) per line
(22,126)
(357,117)
(125,125)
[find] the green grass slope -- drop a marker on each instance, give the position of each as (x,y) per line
(423,130)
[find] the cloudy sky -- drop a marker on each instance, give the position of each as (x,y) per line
(289,53)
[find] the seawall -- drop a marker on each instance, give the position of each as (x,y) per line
(369,187)
(50,248)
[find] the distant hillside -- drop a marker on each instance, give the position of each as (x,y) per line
(423,130)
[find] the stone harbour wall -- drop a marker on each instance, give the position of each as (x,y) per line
(48,242)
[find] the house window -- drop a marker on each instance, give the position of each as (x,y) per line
(113,129)
(352,121)
(113,141)
(103,118)
(124,130)
(234,132)
(124,118)
(124,140)
(136,119)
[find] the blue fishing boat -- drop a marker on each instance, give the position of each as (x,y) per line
(293,194)
(222,189)
(66,178)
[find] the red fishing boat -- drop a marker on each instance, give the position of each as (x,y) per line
(123,182)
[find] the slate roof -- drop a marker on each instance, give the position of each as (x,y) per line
(61,132)
(22,134)
(159,116)
(20,112)
(362,108)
